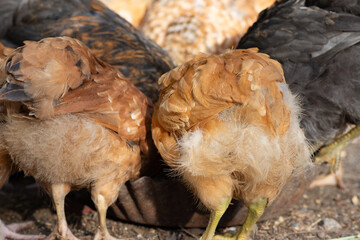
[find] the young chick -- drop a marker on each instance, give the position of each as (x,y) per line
(110,37)
(229,125)
(188,27)
(318,50)
(72,122)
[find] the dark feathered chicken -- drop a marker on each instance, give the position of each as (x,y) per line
(319,51)
(109,36)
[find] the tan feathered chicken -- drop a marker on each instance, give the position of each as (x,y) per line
(132,10)
(229,126)
(72,121)
(185,28)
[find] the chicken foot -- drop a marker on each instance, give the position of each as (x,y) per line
(10,230)
(215,216)
(332,153)
(255,211)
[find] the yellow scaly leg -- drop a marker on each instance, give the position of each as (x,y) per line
(215,217)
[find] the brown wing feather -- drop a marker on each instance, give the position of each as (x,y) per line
(197,91)
(110,103)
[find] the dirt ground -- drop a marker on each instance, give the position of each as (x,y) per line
(322,213)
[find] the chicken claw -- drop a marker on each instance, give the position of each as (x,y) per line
(332,153)
(331,179)
(9,231)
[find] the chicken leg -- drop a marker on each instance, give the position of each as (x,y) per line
(9,231)
(215,217)
(332,153)
(59,192)
(103,196)
(255,211)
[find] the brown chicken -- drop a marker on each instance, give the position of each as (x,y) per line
(229,126)
(133,11)
(72,121)
(185,28)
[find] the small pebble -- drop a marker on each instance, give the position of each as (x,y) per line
(231,229)
(294,226)
(303,210)
(331,224)
(280,220)
(321,235)
(355,200)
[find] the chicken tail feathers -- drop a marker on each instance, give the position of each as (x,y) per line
(7,11)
